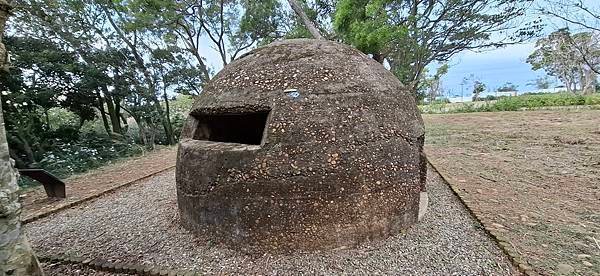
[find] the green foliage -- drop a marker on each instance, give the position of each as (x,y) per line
(409,35)
(90,152)
(441,101)
(93,150)
(100,76)
(231,26)
(542,82)
(260,21)
(364,24)
(465,108)
(45,76)
(431,85)
(508,87)
(129,62)
(478,88)
(523,102)
(43,80)
(491,98)
(62,117)
(49,95)
(182,104)
(572,58)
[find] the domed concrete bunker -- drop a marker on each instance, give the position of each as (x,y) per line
(302,144)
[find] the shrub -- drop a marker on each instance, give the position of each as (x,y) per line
(526,101)
(91,151)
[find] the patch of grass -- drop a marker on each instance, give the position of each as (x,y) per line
(533,172)
(436,134)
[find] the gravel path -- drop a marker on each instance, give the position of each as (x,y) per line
(71,269)
(139,224)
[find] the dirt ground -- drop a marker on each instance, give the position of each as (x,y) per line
(81,186)
(534,175)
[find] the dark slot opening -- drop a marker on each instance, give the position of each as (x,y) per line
(241,128)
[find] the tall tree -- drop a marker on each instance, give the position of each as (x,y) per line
(558,55)
(478,88)
(79,26)
(581,16)
(16,256)
(230,26)
(138,44)
(42,77)
(97,27)
(410,34)
(431,86)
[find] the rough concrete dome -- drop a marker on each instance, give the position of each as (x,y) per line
(302,144)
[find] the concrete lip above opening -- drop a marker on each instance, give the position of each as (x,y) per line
(301,144)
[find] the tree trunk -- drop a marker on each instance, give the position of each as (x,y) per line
(568,82)
(168,117)
(139,122)
(19,163)
(568,86)
(103,113)
(117,104)
(26,147)
(590,82)
(581,81)
(16,256)
(47,117)
(112,111)
(18,146)
(152,93)
(165,121)
(5,7)
(152,128)
(309,24)
(201,65)
(124,121)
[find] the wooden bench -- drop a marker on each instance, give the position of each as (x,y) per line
(54,187)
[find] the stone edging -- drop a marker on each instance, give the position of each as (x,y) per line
(497,236)
(116,267)
(46,213)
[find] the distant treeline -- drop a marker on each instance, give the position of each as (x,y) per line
(516,103)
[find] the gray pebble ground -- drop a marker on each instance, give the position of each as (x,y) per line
(139,224)
(58,269)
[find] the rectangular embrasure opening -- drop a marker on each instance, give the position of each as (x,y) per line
(241,128)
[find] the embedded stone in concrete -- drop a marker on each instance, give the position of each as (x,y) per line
(302,144)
